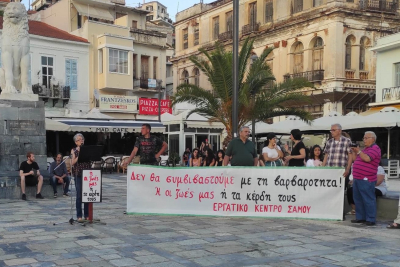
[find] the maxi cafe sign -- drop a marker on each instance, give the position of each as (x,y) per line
(149,106)
(118,103)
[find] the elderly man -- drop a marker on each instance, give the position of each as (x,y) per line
(242,150)
(59,175)
(337,150)
(365,177)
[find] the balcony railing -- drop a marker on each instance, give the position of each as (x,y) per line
(249,28)
(56,93)
(349,74)
(390,94)
(225,36)
(143,83)
(378,5)
(311,76)
(363,75)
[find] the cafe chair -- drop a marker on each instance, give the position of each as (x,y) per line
(108,164)
(120,165)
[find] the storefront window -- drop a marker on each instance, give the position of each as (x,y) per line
(173,143)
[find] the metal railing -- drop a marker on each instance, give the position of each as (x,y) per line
(225,36)
(143,83)
(62,92)
(249,28)
(390,94)
(378,5)
(311,76)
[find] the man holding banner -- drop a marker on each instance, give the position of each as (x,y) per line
(146,145)
(242,150)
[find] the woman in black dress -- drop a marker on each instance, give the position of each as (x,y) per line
(219,160)
(209,159)
(298,153)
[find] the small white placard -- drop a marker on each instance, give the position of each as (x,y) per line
(91,186)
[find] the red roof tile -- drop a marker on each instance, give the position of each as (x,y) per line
(5,1)
(45,30)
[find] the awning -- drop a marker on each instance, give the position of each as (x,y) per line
(193,121)
(114,126)
(56,126)
(94,12)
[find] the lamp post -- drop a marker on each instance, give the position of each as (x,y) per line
(253,99)
(235,74)
(159,99)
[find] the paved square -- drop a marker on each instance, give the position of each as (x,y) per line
(29,238)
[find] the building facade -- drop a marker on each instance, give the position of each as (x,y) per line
(325,41)
(127,62)
(157,11)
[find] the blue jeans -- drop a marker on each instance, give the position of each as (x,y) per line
(78,186)
(365,200)
(54,183)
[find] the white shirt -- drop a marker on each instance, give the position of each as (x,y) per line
(313,163)
(271,152)
(382,187)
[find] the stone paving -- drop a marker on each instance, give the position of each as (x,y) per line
(29,238)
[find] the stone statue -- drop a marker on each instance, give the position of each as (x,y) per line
(15,46)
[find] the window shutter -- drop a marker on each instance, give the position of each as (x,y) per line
(74,74)
(68,72)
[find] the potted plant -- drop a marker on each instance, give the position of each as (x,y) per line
(174,159)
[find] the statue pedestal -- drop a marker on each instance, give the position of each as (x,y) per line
(20,97)
(22,130)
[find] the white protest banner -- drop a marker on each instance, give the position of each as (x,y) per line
(91,186)
(315,193)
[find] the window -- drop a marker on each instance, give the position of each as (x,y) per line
(100,60)
(158,7)
(47,70)
(149,18)
(144,66)
(229,21)
(162,10)
(348,52)
(150,8)
(298,57)
(363,45)
(318,54)
(185,38)
(79,21)
(215,22)
(397,74)
(253,13)
(134,24)
(71,73)
(297,6)
(318,3)
(118,61)
(185,77)
(155,67)
(196,35)
(269,11)
(134,59)
(196,75)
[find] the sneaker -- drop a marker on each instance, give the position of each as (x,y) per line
(55,195)
(23,197)
(39,196)
(65,195)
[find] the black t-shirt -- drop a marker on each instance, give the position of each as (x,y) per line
(295,152)
(26,167)
(148,149)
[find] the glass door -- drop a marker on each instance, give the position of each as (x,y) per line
(189,141)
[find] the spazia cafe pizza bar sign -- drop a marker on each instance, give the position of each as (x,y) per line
(149,106)
(118,103)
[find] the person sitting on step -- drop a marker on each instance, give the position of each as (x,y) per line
(59,175)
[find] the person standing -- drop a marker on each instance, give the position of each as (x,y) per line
(272,153)
(365,176)
(147,145)
(30,175)
(219,161)
(59,175)
(195,160)
(242,150)
(316,158)
(209,159)
(78,169)
(185,157)
(298,153)
(338,151)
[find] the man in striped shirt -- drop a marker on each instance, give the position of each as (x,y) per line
(365,177)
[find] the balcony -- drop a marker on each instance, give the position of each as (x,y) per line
(149,37)
(349,74)
(378,5)
(55,94)
(249,28)
(363,75)
(225,36)
(391,94)
(142,84)
(311,76)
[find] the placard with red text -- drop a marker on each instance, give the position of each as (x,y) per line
(91,186)
(287,192)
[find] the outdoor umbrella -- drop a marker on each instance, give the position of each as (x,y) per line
(388,118)
(351,121)
(283,127)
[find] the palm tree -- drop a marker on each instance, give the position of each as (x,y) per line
(216,104)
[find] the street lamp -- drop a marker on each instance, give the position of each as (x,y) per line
(235,74)
(253,99)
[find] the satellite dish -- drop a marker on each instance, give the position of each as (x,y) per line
(96,94)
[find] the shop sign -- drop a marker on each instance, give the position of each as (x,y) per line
(149,106)
(152,83)
(118,103)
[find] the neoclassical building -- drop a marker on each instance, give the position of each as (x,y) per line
(325,41)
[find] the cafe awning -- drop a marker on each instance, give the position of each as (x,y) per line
(52,125)
(94,12)
(111,126)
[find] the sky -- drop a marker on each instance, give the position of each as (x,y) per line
(172,5)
